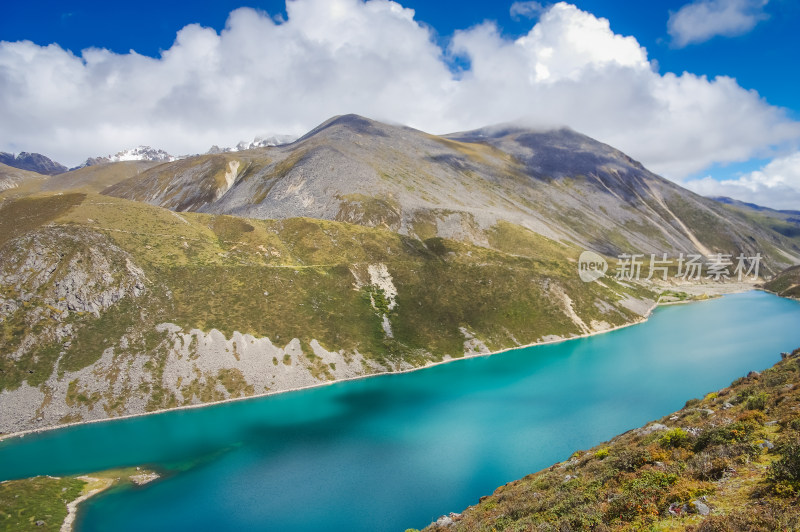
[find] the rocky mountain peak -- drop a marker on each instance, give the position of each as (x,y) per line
(139,153)
(33,162)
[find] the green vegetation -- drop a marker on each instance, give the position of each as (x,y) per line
(28,214)
(784,473)
(37,504)
(720,465)
(786,283)
(369,211)
(283,279)
(672,295)
(40,503)
(674,438)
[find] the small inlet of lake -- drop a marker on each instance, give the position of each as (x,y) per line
(397,451)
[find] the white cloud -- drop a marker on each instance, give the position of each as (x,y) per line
(519,10)
(345,56)
(777,185)
(701,20)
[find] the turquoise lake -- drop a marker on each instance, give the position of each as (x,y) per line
(397,451)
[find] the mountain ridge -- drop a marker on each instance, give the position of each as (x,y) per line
(560,184)
(33,162)
(139,153)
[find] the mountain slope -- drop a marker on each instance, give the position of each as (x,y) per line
(729,461)
(358,249)
(11,177)
(786,283)
(33,162)
(110,307)
(96,177)
(786,223)
(559,184)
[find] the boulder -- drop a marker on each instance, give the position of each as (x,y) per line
(649,429)
(701,507)
(444,520)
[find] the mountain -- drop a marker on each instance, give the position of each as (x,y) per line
(784,222)
(360,248)
(728,461)
(264,141)
(786,283)
(559,184)
(96,177)
(140,153)
(742,204)
(33,162)
(111,307)
(11,177)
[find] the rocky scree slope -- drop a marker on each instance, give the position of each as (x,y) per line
(560,184)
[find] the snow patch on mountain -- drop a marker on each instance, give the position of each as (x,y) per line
(139,153)
(142,153)
(263,141)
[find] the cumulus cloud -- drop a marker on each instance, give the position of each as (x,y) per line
(777,185)
(701,20)
(330,57)
(519,10)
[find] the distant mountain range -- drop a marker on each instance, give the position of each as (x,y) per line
(33,162)
(265,141)
(36,162)
(140,153)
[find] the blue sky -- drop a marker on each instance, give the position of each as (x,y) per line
(761,60)
(761,56)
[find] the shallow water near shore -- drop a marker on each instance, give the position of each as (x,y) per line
(397,451)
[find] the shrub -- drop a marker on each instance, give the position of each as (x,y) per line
(784,473)
(642,496)
(601,454)
(766,516)
(692,402)
(674,438)
(707,466)
(738,432)
(757,402)
(631,459)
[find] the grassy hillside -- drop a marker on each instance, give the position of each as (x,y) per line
(727,462)
(40,503)
(96,178)
(86,282)
(786,283)
(11,178)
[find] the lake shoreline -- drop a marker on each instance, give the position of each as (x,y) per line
(72,507)
(734,288)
